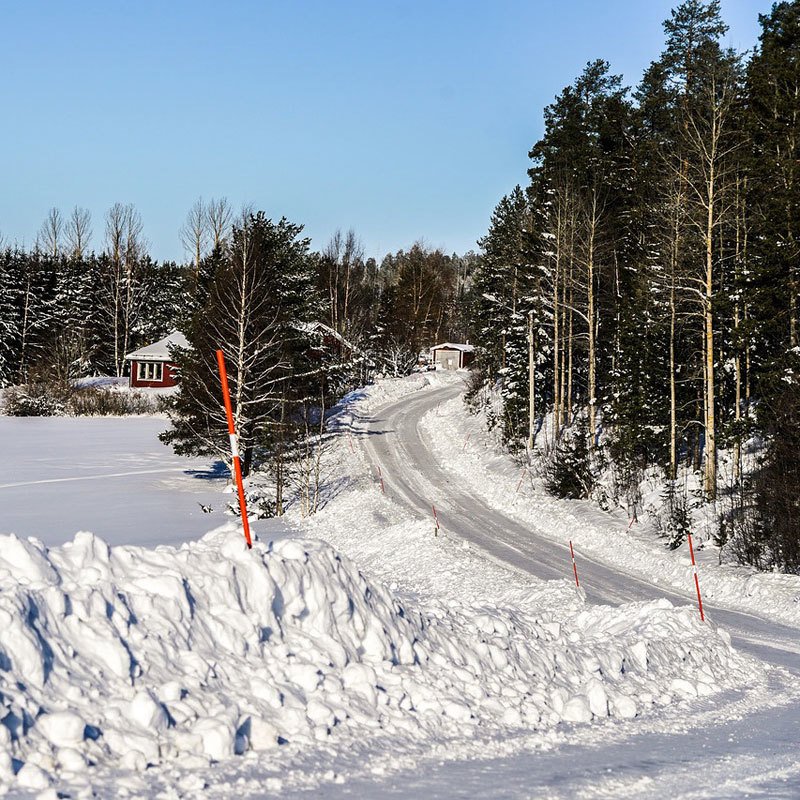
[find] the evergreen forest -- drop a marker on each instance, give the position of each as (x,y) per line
(639,291)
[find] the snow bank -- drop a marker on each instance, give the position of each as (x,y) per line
(360,403)
(462,444)
(131,657)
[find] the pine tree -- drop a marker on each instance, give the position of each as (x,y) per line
(9,318)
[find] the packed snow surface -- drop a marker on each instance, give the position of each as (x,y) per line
(129,657)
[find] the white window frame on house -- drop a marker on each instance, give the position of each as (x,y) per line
(152,371)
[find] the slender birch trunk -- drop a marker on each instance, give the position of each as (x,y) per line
(590,313)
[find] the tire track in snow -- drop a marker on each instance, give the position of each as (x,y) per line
(93,477)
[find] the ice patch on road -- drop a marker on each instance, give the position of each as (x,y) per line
(131,657)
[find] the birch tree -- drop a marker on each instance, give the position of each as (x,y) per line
(255,314)
(78,232)
(49,238)
(194,233)
(125,247)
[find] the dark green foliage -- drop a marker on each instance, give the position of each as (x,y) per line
(260,303)
(56,319)
(501,297)
(657,246)
(568,469)
(777,482)
(421,303)
(675,521)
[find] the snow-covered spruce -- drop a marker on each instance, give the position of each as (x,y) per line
(130,656)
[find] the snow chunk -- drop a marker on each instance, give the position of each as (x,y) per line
(62,729)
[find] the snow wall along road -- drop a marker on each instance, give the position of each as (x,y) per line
(132,657)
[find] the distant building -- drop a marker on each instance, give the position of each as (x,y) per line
(327,337)
(152,366)
(452,356)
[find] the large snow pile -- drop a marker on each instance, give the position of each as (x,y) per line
(127,656)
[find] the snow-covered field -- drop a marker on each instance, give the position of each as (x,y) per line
(359,648)
(108,475)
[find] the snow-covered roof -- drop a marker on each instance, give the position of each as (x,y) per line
(159,351)
(313,327)
(464,348)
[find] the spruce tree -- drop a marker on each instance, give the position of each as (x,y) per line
(259,306)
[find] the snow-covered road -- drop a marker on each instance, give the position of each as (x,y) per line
(728,750)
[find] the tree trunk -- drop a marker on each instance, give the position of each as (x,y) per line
(590,313)
(710,472)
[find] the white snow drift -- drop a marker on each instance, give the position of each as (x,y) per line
(128,656)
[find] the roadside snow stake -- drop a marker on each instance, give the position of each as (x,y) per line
(696,581)
(519,482)
(574,568)
(466,441)
(380,478)
(350,440)
(436,520)
(237,464)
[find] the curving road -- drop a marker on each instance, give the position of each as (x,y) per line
(755,752)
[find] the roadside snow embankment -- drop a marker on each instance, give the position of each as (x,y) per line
(360,403)
(128,657)
(465,449)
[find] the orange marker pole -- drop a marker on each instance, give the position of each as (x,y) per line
(436,520)
(574,568)
(237,463)
(380,477)
(696,581)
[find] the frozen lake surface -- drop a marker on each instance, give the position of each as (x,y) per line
(108,475)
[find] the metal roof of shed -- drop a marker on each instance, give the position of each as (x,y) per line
(464,348)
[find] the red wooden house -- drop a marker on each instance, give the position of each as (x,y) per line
(152,366)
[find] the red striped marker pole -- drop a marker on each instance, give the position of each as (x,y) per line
(631,522)
(519,482)
(237,463)
(380,478)
(436,520)
(696,581)
(574,568)
(466,441)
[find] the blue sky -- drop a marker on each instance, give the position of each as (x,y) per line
(403,120)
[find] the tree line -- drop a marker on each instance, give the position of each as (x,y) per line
(299,327)
(650,264)
(69,310)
